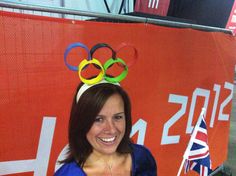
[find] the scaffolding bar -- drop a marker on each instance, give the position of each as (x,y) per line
(217,170)
(128,18)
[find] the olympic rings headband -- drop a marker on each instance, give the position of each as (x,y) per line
(103,68)
(85,87)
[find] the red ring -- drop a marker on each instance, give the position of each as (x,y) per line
(135,58)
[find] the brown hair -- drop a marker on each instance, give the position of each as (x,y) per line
(82,117)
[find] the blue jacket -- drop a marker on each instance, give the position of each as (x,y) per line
(143,164)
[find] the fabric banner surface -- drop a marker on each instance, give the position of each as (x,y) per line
(177,72)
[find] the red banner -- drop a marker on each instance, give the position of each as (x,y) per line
(154,7)
(178,71)
(231,24)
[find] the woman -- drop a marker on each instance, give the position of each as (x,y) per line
(99,130)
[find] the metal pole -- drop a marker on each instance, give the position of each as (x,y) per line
(128,18)
(220,168)
(62,4)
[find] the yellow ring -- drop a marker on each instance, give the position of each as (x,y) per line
(86,62)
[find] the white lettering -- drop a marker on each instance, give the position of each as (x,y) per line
(183,100)
(39,165)
(222,116)
(197,92)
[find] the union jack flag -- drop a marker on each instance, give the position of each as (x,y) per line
(197,154)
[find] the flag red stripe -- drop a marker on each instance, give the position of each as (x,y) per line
(201,136)
(202,168)
(199,155)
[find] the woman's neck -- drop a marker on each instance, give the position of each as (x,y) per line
(108,165)
(96,157)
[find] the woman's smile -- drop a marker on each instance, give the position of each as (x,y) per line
(108,140)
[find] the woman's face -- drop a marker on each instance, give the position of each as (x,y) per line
(108,129)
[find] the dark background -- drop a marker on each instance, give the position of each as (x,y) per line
(203,12)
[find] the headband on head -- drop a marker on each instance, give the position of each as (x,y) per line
(85,87)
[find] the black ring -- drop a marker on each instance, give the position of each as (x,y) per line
(101,45)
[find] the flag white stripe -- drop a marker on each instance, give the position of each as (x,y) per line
(196,158)
(193,165)
(153,3)
(149,3)
(203,170)
(157,4)
(203,130)
(200,142)
(199,151)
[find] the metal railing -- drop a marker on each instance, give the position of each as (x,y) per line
(128,18)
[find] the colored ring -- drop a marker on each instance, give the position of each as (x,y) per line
(85,63)
(102,45)
(135,58)
(74,45)
(120,77)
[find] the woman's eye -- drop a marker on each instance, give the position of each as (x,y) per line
(118,117)
(98,119)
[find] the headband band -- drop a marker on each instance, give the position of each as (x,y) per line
(85,87)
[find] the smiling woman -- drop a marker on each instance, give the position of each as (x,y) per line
(108,129)
(99,130)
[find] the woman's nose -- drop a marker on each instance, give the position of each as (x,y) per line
(110,126)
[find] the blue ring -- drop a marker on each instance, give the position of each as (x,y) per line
(71,46)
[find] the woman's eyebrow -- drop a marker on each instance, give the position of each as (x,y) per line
(119,113)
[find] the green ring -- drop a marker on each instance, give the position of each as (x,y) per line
(120,77)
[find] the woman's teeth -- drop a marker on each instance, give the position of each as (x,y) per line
(107,139)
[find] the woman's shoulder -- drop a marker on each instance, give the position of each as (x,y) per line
(68,169)
(143,161)
(140,149)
